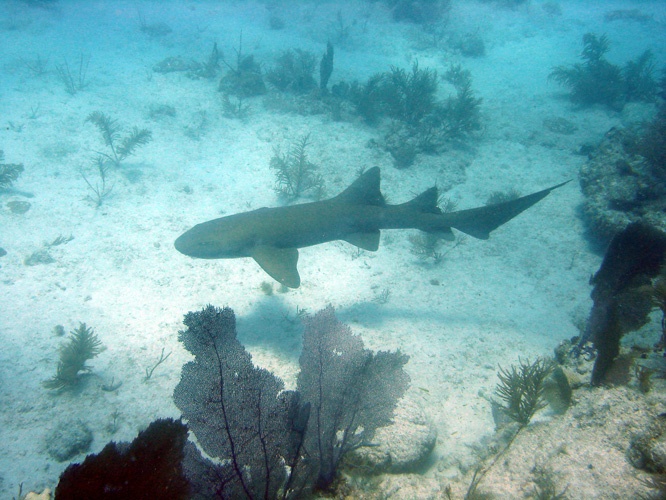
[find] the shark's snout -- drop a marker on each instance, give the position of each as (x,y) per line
(183,244)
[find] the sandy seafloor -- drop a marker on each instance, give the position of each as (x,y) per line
(514,296)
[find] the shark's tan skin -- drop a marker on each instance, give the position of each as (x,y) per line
(272,236)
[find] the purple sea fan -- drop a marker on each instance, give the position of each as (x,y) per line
(352,391)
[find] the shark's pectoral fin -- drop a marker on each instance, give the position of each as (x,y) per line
(279,263)
(368,240)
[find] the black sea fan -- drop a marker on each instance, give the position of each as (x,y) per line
(149,467)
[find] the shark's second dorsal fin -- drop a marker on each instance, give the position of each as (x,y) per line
(426,202)
(365,190)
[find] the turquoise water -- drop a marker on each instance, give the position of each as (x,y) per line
(477,305)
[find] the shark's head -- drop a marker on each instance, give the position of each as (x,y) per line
(215,239)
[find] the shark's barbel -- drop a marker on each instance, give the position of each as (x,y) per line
(272,236)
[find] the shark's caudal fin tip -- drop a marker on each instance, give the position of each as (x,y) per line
(480,222)
(559,185)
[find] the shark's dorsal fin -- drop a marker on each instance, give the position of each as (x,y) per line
(367,241)
(279,263)
(365,190)
(426,202)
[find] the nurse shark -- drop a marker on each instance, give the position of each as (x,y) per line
(272,236)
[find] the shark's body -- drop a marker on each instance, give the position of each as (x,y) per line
(272,236)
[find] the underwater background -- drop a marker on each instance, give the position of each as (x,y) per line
(125,123)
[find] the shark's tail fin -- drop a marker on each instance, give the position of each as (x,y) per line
(479,222)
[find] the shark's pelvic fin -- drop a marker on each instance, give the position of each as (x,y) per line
(479,222)
(367,241)
(365,190)
(279,263)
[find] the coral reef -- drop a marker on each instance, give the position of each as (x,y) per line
(622,294)
(37,257)
(153,30)
(461,112)
(326,66)
(559,125)
(469,44)
(403,446)
(209,68)
(638,79)
(74,80)
(557,390)
(244,78)
(585,448)
(101,189)
(293,72)
(628,15)
(507,3)
(652,144)
(18,207)
(647,450)
(174,64)
(243,416)
(409,96)
(420,123)
(521,388)
(623,180)
(419,11)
